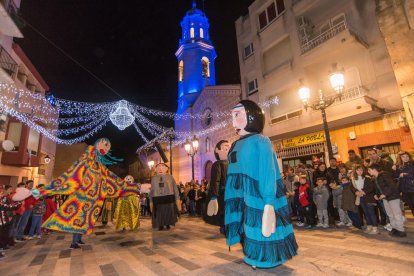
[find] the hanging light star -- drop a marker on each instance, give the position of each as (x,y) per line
(121,117)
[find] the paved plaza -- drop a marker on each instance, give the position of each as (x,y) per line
(195,248)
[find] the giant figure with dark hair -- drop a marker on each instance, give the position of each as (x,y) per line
(256,211)
(215,208)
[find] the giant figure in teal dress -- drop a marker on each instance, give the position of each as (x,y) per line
(256,211)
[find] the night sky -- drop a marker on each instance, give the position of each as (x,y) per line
(128,44)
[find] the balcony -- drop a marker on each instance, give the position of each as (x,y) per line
(9,19)
(8,65)
(330,33)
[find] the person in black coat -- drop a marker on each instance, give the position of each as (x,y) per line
(215,208)
(404,172)
(389,193)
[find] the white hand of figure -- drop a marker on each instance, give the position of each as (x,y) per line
(212,208)
(268,221)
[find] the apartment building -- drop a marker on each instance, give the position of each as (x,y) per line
(286,44)
(28,159)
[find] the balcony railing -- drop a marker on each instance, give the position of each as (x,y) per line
(7,63)
(328,34)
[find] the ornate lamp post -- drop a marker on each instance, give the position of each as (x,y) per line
(150,164)
(337,81)
(191,148)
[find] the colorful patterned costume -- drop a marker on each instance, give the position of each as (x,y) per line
(253,181)
(127,213)
(87,182)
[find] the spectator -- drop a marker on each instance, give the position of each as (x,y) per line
(333,170)
(29,203)
(337,203)
(37,213)
(191,201)
(309,175)
(51,207)
(201,201)
(404,172)
(6,217)
(320,197)
(343,171)
(320,172)
(17,216)
(290,179)
(348,202)
(353,159)
(306,202)
(390,196)
(366,192)
(384,155)
(376,159)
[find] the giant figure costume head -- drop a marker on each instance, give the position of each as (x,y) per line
(103,150)
(161,168)
(248,117)
(222,150)
(129,179)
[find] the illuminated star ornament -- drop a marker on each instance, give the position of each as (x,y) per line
(121,117)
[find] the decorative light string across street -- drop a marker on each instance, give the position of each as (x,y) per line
(70,122)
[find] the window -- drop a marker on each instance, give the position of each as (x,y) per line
(273,11)
(201,33)
(3,122)
(248,51)
(14,134)
(205,67)
(252,87)
(208,145)
(33,143)
(192,32)
(181,71)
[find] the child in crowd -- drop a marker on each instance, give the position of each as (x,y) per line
(348,201)
(51,206)
(37,213)
(6,217)
(305,200)
(337,203)
(320,197)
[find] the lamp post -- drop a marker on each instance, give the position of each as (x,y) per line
(191,148)
(337,81)
(150,164)
(47,159)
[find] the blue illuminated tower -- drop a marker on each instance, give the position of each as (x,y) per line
(195,57)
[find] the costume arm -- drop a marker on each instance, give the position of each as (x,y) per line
(268,171)
(215,180)
(70,180)
(117,187)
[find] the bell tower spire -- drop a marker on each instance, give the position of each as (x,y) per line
(195,57)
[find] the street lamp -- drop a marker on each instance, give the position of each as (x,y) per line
(191,148)
(47,159)
(337,81)
(150,164)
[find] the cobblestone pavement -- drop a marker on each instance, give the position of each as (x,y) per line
(195,248)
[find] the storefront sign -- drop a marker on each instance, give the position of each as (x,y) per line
(316,137)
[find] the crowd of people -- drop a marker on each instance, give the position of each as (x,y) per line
(22,220)
(193,196)
(363,194)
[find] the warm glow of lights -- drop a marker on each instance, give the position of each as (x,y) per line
(304,93)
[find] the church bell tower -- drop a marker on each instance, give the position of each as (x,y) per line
(195,57)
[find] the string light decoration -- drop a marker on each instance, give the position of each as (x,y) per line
(121,117)
(69,122)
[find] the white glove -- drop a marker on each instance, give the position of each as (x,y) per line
(212,208)
(268,221)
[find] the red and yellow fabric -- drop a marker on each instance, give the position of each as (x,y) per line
(87,182)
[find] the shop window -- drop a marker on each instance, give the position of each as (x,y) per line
(205,64)
(273,11)
(15,133)
(181,71)
(201,33)
(192,32)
